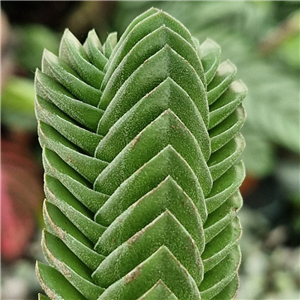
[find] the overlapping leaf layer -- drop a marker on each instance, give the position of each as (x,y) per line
(141,150)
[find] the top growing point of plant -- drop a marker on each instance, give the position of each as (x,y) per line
(141,151)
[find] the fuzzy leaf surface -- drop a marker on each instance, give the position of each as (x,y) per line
(141,151)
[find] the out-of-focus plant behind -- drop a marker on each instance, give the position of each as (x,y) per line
(262,38)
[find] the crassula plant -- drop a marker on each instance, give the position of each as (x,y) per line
(141,151)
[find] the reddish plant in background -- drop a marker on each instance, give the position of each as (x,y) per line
(21,198)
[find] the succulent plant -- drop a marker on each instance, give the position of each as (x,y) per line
(141,151)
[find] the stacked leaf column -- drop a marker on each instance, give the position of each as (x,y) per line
(141,151)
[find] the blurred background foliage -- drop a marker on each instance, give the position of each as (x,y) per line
(262,38)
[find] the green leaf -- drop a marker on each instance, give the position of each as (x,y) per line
(72,52)
(55,284)
(94,50)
